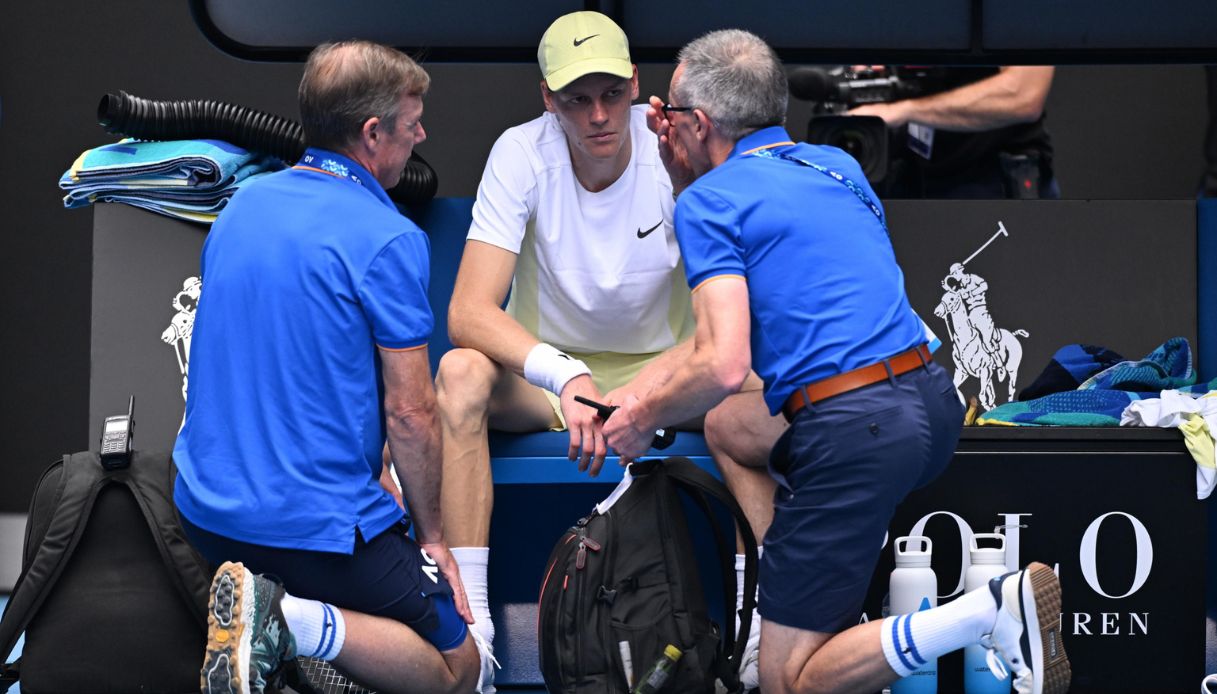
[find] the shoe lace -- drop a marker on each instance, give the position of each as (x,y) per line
(997,666)
(484,648)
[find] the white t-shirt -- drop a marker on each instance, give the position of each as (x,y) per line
(597,272)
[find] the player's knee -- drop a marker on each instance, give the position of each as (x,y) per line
(722,427)
(464,380)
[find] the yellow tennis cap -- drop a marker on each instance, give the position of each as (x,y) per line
(582,43)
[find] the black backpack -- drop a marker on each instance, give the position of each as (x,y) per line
(111,595)
(623,583)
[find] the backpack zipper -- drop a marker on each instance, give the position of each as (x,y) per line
(585,543)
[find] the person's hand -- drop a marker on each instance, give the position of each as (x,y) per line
(626,433)
(894,113)
(586,439)
(670,153)
(438,554)
(616,398)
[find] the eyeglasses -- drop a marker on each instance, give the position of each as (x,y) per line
(669,108)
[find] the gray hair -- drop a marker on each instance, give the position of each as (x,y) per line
(736,79)
(347,83)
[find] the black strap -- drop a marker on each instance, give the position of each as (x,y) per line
(727,670)
(81,479)
(9,675)
(688,474)
(150,479)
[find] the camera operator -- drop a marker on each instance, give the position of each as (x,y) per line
(977,133)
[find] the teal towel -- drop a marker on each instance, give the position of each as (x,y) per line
(1102,398)
(188,179)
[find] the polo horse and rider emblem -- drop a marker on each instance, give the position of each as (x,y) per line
(979,348)
(181,326)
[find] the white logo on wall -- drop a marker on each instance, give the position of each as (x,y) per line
(1133,621)
(979,348)
(181,326)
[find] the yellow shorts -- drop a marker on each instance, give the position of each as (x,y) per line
(610,370)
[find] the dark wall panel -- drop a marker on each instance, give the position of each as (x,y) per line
(1128,132)
(292,23)
(1097,24)
(931,24)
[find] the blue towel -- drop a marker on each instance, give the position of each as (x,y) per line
(1101,399)
(1070,366)
(186,179)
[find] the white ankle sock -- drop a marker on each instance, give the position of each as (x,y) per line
(318,627)
(473,563)
(910,641)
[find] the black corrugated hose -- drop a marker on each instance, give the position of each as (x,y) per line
(256,131)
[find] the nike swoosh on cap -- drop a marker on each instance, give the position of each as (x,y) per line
(643,234)
(579,42)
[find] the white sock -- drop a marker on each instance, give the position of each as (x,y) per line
(318,627)
(910,641)
(473,562)
(739,596)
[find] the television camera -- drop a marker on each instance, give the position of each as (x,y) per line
(836,90)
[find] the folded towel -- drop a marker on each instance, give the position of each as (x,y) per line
(187,179)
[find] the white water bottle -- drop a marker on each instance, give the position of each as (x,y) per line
(988,561)
(914,588)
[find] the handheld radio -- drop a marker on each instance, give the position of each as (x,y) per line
(116,435)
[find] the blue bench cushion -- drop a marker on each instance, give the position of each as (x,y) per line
(540,458)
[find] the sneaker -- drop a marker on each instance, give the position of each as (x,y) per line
(486,653)
(248,641)
(1027,631)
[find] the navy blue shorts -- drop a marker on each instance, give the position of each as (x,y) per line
(842,467)
(389,576)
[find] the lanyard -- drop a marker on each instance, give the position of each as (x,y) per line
(840,178)
(338,166)
(317,161)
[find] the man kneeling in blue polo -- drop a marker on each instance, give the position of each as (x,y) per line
(793,275)
(309,349)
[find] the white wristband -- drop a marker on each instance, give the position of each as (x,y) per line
(547,367)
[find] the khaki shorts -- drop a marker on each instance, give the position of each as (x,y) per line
(610,370)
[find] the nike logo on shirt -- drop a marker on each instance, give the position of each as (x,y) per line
(643,234)
(579,42)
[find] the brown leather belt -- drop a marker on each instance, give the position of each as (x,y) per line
(852,380)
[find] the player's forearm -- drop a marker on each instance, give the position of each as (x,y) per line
(489,330)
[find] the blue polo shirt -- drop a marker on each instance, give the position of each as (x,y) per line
(825,292)
(304,274)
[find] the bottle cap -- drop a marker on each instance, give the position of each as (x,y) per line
(916,557)
(988,555)
(672,652)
